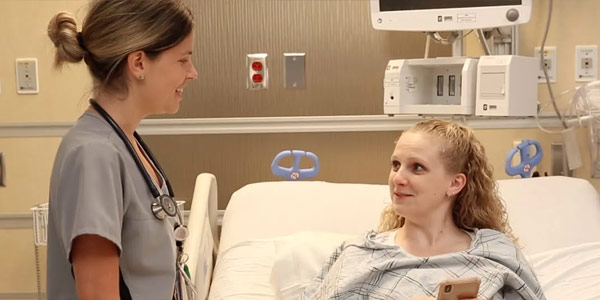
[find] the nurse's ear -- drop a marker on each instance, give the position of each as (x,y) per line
(137,64)
(457,184)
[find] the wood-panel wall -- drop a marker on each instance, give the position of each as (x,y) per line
(239,159)
(345,57)
(345,63)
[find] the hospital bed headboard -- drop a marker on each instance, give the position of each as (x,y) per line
(203,242)
(270,209)
(551,212)
(545,212)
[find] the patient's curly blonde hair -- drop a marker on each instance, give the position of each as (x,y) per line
(478,204)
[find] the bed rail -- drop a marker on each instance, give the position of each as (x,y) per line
(203,242)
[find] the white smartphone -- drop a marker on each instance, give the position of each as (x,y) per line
(459,288)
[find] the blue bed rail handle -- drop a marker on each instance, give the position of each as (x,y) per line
(295,173)
(527,160)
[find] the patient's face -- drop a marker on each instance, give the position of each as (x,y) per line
(418,179)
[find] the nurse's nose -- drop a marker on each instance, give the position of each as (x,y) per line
(193,74)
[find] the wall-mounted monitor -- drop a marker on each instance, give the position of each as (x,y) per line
(448,15)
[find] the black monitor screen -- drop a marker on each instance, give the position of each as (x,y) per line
(391,5)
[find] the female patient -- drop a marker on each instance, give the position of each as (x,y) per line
(445,221)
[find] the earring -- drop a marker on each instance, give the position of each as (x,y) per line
(142,77)
(450,194)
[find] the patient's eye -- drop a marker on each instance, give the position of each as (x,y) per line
(395,165)
(418,168)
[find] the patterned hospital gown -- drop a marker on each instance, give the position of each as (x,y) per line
(372,267)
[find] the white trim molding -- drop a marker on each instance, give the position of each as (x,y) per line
(279,125)
(25,220)
(16,221)
(30,296)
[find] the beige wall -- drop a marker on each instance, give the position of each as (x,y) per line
(59,93)
(29,160)
(344,64)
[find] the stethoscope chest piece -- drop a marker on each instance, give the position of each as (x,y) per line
(164,206)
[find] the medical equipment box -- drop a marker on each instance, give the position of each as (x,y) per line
(507,86)
(441,86)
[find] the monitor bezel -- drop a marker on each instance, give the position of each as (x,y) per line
(463,18)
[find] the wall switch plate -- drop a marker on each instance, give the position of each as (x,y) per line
(27,76)
(586,63)
(550,63)
(2,173)
(293,70)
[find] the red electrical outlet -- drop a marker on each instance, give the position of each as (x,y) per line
(258,75)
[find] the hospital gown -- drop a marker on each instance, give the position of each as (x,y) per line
(373,267)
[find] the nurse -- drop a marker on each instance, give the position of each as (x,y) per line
(113,228)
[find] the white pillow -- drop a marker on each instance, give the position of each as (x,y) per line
(569,273)
(298,259)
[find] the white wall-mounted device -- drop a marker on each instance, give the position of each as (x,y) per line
(507,86)
(443,86)
(448,15)
(27,76)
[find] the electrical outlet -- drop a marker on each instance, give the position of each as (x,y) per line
(258,73)
(27,76)
(549,62)
(586,63)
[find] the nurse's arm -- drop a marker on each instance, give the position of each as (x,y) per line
(95,267)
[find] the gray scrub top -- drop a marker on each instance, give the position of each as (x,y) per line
(96,188)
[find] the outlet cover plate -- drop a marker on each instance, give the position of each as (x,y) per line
(550,61)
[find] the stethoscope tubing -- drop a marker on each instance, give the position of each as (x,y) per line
(153,189)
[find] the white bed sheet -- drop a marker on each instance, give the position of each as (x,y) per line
(248,270)
(244,271)
(260,214)
(547,213)
(570,272)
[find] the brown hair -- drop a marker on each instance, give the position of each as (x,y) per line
(478,204)
(115,28)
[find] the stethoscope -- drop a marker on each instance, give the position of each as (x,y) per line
(163,205)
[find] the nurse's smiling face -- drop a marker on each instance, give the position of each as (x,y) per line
(167,76)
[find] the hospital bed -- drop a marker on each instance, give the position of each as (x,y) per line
(276,235)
